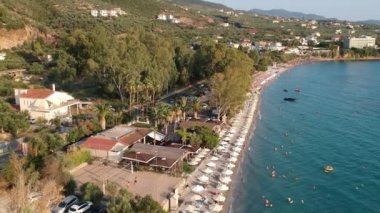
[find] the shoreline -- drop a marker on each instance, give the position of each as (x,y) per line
(261,81)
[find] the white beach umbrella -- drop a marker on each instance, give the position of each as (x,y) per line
(223,143)
(216,208)
(196,197)
(211,164)
(227,172)
(221,148)
(222,187)
(208,170)
(225,179)
(189,208)
(233,159)
(201,155)
(237,149)
(230,165)
(197,189)
(193,163)
(214,158)
(235,154)
(203,178)
(219,198)
(197,159)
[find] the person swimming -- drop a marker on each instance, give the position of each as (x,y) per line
(273,173)
(290,200)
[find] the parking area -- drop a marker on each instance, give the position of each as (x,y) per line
(139,183)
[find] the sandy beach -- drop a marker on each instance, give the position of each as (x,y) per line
(238,134)
(260,81)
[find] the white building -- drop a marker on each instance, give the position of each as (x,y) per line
(162,17)
(314,27)
(112,13)
(103,13)
(226,24)
(46,103)
(94,13)
(2,56)
(359,43)
(276,46)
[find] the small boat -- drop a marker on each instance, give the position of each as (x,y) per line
(290,99)
(297,90)
(285,90)
(328,169)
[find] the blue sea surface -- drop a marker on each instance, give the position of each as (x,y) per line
(334,121)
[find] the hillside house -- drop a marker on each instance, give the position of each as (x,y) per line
(2,56)
(162,17)
(47,103)
(94,13)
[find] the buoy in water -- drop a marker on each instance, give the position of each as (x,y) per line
(328,169)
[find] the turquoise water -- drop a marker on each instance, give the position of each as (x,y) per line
(334,121)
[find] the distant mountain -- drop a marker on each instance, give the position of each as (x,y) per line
(373,22)
(287,14)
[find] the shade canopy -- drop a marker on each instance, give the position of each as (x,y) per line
(231,165)
(193,163)
(214,158)
(227,172)
(196,197)
(233,159)
(225,180)
(216,208)
(208,170)
(211,164)
(203,178)
(198,188)
(222,187)
(235,154)
(219,198)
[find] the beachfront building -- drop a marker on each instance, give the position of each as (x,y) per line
(162,157)
(359,43)
(47,103)
(112,143)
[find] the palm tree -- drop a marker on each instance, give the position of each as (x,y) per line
(154,115)
(196,107)
(184,135)
(165,115)
(103,110)
(183,106)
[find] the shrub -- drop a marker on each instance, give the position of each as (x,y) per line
(76,158)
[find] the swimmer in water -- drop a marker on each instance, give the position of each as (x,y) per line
(302,202)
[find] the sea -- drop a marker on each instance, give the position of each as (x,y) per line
(335,120)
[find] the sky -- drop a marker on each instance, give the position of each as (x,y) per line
(353,10)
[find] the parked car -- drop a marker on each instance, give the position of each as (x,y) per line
(81,207)
(66,204)
(34,196)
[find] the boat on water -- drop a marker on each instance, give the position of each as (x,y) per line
(297,90)
(289,99)
(328,169)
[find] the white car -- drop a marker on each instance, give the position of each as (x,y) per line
(66,204)
(81,207)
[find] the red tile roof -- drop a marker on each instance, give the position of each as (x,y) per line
(98,143)
(37,93)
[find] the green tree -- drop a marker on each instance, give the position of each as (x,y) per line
(196,105)
(146,204)
(91,192)
(120,203)
(184,135)
(103,110)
